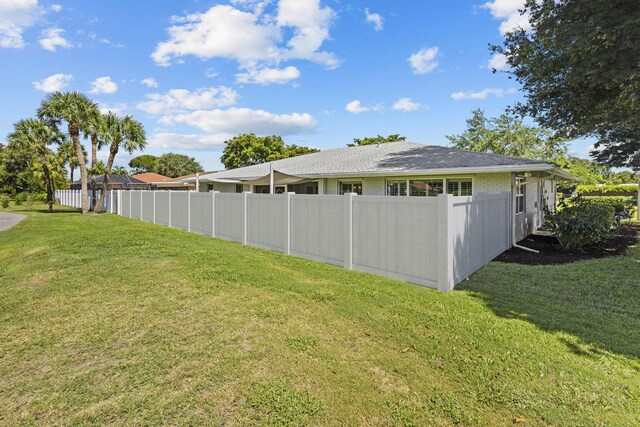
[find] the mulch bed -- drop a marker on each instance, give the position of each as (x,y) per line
(550,252)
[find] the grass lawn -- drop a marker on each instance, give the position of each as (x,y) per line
(109,320)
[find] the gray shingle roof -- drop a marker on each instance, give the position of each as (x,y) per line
(373,159)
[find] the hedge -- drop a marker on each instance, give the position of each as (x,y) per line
(607,189)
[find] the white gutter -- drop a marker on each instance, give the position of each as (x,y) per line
(536,167)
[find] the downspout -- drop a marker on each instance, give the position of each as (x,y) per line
(270,178)
(513,219)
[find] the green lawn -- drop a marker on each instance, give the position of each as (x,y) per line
(108,320)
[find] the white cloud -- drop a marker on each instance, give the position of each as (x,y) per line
(375,19)
(497,62)
(51,39)
(424,61)
(56,7)
(103,85)
(251,37)
(508,11)
(149,82)
(118,108)
(245,120)
(482,94)
(182,100)
(15,17)
(53,83)
(210,73)
(406,104)
(265,76)
(356,107)
(178,141)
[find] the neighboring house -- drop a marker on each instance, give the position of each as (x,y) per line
(116,182)
(404,169)
(155,181)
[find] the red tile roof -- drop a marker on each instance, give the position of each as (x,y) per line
(152,177)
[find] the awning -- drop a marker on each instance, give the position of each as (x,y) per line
(279,178)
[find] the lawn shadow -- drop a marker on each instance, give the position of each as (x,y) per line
(596,302)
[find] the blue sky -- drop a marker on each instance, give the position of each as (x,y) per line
(318,73)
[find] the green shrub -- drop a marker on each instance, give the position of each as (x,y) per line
(4,202)
(607,189)
(616,202)
(20,198)
(581,224)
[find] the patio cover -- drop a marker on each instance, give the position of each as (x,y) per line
(279,178)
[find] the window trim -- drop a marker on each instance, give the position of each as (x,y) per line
(415,178)
(352,182)
(520,191)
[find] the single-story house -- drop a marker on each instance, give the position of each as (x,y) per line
(404,169)
(116,182)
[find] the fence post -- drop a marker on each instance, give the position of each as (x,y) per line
(287,224)
(120,202)
(213,213)
(445,242)
(111,201)
(245,229)
(154,207)
(169,209)
(188,210)
(348,234)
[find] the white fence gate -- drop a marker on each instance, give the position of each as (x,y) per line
(431,241)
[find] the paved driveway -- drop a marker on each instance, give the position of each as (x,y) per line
(9,220)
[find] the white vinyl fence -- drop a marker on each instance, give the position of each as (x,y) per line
(73,199)
(431,241)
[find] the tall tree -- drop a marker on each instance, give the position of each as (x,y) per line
(175,165)
(67,152)
(94,128)
(508,135)
(374,140)
(249,149)
(578,67)
(144,164)
(75,109)
(120,132)
(36,136)
(16,170)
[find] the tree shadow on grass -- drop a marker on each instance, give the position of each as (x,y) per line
(595,302)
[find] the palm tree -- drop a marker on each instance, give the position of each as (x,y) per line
(67,152)
(122,132)
(75,109)
(36,136)
(94,129)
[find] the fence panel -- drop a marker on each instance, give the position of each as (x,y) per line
(480,231)
(230,216)
(162,207)
(180,209)
(136,203)
(125,199)
(147,206)
(202,213)
(397,237)
(266,217)
(318,227)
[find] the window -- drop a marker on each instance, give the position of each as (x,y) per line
(280,189)
(426,187)
(397,188)
(459,187)
(520,192)
(239,188)
(350,187)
